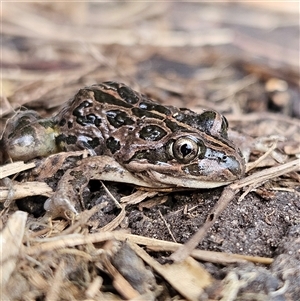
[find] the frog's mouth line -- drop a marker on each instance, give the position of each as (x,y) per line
(210,174)
(168,181)
(154,179)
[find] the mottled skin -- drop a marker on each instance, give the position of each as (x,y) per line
(161,146)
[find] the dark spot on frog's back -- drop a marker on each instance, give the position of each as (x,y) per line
(118,118)
(78,110)
(62,122)
(128,95)
(93,119)
(173,126)
(105,97)
(113,144)
(143,113)
(150,106)
(62,138)
(89,119)
(188,117)
(93,143)
(152,133)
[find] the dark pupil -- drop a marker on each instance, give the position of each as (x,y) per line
(185,149)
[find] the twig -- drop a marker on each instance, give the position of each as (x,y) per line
(167,225)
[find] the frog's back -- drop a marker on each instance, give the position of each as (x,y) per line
(102,116)
(153,141)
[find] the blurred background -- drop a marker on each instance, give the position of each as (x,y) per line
(237,57)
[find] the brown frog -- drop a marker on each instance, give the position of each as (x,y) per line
(131,139)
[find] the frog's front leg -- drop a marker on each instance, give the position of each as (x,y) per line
(66,203)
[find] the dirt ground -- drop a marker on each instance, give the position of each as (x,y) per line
(241,59)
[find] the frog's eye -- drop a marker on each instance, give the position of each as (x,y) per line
(186,148)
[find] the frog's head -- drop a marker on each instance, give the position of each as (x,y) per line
(195,153)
